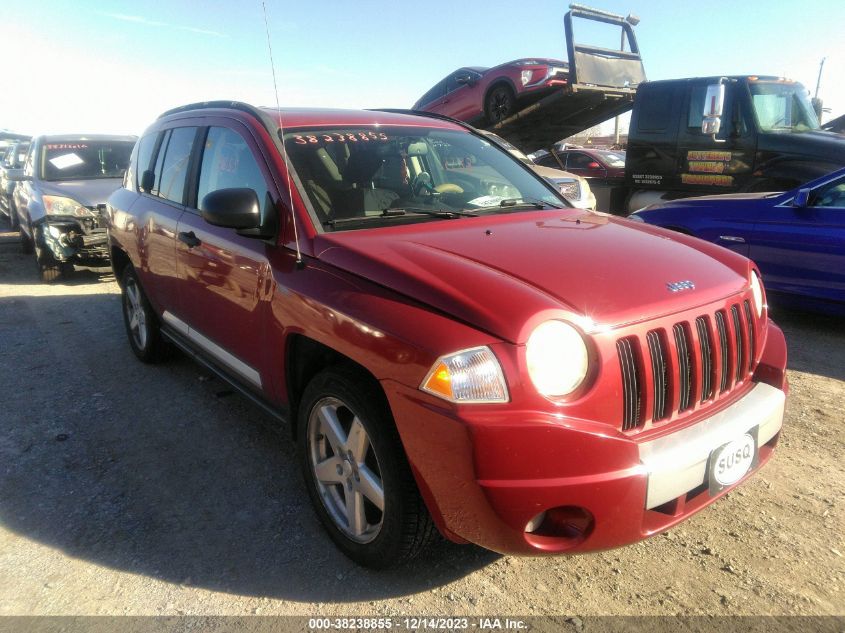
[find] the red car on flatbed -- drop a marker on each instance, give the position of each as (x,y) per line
(450,343)
(476,94)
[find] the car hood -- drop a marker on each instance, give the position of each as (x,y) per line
(88,193)
(504,273)
(551,172)
(708,201)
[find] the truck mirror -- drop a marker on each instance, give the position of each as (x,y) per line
(714,102)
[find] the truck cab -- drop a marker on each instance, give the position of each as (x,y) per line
(767,138)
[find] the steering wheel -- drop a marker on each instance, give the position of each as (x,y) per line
(422,181)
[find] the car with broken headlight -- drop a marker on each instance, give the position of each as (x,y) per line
(60,199)
(452,350)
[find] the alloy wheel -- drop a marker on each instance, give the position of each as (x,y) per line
(137,316)
(346,470)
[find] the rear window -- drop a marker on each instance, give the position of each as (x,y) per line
(84,160)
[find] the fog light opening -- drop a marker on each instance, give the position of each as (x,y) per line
(560,528)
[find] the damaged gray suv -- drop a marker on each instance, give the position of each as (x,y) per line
(60,199)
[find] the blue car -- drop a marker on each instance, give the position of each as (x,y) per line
(797,238)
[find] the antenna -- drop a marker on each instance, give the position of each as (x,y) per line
(299,262)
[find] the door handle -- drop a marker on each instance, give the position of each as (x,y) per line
(190,239)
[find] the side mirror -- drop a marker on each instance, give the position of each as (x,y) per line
(17,177)
(236,208)
(802,198)
(465,79)
(714,103)
(148,179)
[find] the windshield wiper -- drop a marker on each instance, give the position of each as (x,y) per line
(398,213)
(440,213)
(525,202)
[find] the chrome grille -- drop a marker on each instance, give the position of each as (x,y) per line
(682,346)
(702,326)
(631,416)
(722,331)
(749,319)
(657,354)
(666,374)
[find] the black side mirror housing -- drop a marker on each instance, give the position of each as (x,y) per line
(465,79)
(148,179)
(802,198)
(236,208)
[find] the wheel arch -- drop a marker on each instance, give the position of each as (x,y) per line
(306,357)
(501,81)
(119,261)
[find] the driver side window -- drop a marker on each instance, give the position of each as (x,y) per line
(228,162)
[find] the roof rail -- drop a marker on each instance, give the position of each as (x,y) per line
(229,105)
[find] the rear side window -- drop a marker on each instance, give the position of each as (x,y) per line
(172,163)
(656,110)
(227,163)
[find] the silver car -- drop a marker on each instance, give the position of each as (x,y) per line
(574,188)
(11,168)
(60,199)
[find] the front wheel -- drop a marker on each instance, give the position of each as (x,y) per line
(49,268)
(142,325)
(356,471)
(500,104)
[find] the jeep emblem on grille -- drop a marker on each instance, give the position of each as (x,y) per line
(677,286)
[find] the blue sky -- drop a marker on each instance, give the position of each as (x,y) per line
(113,66)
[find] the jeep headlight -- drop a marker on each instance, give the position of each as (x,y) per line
(469,376)
(557,358)
(60,205)
(757,293)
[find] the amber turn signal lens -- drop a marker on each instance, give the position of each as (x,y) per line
(469,376)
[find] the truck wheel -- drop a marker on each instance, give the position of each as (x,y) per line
(142,325)
(499,104)
(356,471)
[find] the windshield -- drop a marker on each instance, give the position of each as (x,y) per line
(366,177)
(782,106)
(84,160)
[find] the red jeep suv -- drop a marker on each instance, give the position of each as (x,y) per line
(451,344)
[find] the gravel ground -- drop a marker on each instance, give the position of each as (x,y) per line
(129,489)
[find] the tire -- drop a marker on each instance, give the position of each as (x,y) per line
(499,104)
(142,325)
(26,243)
(13,216)
(49,268)
(338,403)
